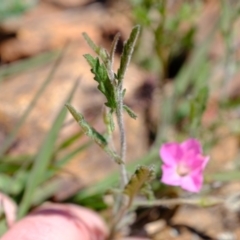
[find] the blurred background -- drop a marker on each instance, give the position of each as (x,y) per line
(183,81)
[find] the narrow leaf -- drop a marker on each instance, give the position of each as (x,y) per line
(101,52)
(62,161)
(108,120)
(194,65)
(227,176)
(93,134)
(43,158)
(69,141)
(15,68)
(87,129)
(45,191)
(130,112)
(113,47)
(124,92)
(11,137)
(197,107)
(127,52)
(91,44)
(65,159)
(101,186)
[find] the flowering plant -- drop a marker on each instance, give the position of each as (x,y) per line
(183,164)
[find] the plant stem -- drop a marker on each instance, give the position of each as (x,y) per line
(204,202)
(118,209)
(119,113)
(114,226)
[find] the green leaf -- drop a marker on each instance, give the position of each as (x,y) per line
(101,76)
(108,120)
(200,101)
(227,176)
(101,52)
(69,141)
(101,186)
(56,166)
(91,44)
(66,158)
(43,159)
(127,53)
(93,134)
(124,92)
(11,164)
(197,108)
(141,176)
(130,112)
(194,65)
(45,191)
(87,129)
(111,122)
(27,64)
(113,47)
(11,137)
(147,191)
(12,184)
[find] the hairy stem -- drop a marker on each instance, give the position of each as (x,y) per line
(119,112)
(118,209)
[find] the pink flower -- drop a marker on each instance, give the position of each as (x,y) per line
(183,164)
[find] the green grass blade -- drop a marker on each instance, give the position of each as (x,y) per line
(26,64)
(189,71)
(227,176)
(17,160)
(112,179)
(69,141)
(9,140)
(61,162)
(47,190)
(3,226)
(43,158)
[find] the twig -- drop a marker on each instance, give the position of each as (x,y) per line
(204,202)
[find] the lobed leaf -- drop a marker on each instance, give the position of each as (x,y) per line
(101,76)
(109,181)
(139,179)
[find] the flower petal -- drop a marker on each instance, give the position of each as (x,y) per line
(196,161)
(192,182)
(183,164)
(171,153)
(191,145)
(205,161)
(170,176)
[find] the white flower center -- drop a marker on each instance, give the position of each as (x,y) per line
(182,169)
